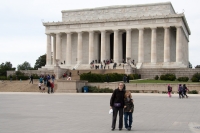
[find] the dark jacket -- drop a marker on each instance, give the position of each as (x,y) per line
(129,105)
(48,84)
(169,88)
(117,97)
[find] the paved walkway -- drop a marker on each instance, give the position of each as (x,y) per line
(88,113)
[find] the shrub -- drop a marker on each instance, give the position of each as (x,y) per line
(156,77)
(193,92)
(195,77)
(183,79)
(94,89)
(3,78)
(168,76)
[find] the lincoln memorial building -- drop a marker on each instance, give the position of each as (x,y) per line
(153,35)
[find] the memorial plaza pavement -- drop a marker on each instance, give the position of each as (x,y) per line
(88,113)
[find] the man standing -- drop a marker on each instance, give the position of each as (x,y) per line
(117,104)
(31,79)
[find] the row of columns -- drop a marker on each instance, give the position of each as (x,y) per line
(57,46)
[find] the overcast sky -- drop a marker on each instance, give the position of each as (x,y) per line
(22,35)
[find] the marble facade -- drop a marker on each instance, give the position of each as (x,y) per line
(153,35)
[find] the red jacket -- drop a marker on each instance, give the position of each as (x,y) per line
(52,85)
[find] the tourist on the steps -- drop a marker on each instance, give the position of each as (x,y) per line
(43,88)
(45,80)
(169,90)
(185,89)
(41,79)
(128,110)
(52,87)
(52,77)
(31,79)
(39,86)
(117,104)
(49,86)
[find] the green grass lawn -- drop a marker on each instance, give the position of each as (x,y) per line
(158,81)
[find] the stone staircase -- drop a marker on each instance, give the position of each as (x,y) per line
(21,86)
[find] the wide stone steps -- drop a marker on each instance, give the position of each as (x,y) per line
(21,86)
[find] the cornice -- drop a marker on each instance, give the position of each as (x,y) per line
(114,20)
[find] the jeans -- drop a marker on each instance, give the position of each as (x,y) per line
(128,117)
(115,112)
(49,89)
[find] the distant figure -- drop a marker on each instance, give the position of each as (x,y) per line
(185,89)
(10,78)
(124,78)
(78,72)
(70,74)
(169,90)
(127,79)
(52,87)
(31,79)
(64,61)
(49,86)
(107,78)
(52,77)
(180,91)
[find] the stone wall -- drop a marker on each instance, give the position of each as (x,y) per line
(146,87)
(151,73)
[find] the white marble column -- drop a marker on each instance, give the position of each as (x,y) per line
(58,46)
(79,48)
(91,46)
(107,45)
(153,46)
(141,46)
(116,46)
(103,45)
(69,49)
(128,43)
(178,44)
(166,45)
(54,49)
(48,56)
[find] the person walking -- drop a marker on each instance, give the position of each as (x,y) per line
(185,89)
(117,104)
(169,90)
(128,110)
(180,91)
(31,79)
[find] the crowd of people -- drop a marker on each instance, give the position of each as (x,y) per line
(67,76)
(46,81)
(182,91)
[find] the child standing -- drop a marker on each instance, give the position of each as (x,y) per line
(128,110)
